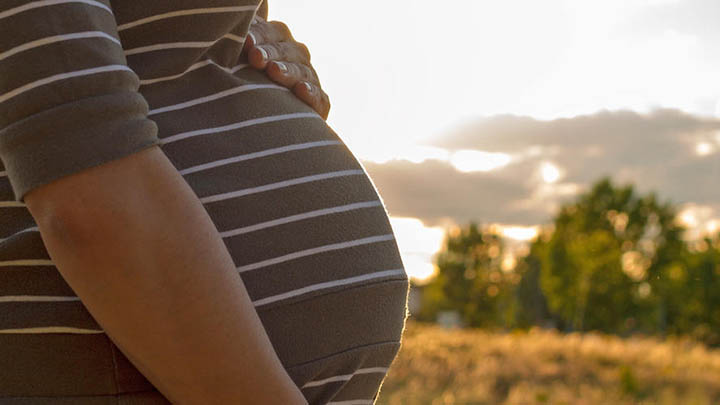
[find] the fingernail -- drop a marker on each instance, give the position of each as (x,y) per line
(309,87)
(282,67)
(264,54)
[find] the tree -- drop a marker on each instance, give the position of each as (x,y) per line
(612,260)
(532,305)
(471,280)
(696,309)
(605,265)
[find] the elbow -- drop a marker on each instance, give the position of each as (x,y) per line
(62,227)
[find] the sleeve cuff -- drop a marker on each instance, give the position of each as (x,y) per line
(75,136)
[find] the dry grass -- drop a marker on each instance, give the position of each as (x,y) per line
(438,366)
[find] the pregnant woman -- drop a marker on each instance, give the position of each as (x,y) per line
(176,226)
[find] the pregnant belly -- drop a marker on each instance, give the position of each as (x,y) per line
(293,205)
(297,212)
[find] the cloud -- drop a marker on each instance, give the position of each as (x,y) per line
(656,151)
(434,191)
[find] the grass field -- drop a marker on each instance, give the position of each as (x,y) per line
(438,366)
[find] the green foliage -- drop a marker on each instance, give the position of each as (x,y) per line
(612,261)
(695,308)
(604,263)
(471,280)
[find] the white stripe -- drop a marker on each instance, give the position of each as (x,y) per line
(352,402)
(31,229)
(51,329)
(255,155)
(62,76)
(236,38)
(237,125)
(185,12)
(299,217)
(216,96)
(11,204)
(314,251)
(326,285)
(280,184)
(346,376)
(235,68)
(181,45)
(36,4)
(192,67)
(36,298)
(26,262)
(57,38)
(169,45)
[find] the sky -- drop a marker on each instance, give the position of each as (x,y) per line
(498,111)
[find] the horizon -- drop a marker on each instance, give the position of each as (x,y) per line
(641,68)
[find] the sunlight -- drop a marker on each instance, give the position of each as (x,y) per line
(550,172)
(688,219)
(508,263)
(418,269)
(704,149)
(543,75)
(521,233)
(698,219)
(712,226)
(417,244)
(475,160)
(635,265)
(411,153)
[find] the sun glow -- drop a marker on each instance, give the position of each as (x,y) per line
(704,149)
(476,160)
(417,243)
(550,173)
(521,233)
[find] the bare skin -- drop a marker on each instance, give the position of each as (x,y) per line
(132,231)
(271,47)
(136,245)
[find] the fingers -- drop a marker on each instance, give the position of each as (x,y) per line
(288,74)
(270,47)
(303,82)
(294,52)
(313,96)
(262,32)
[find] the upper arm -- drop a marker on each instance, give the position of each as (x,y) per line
(68,100)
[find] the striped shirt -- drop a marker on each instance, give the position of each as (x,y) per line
(84,82)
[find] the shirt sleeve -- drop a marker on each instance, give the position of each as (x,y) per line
(68,100)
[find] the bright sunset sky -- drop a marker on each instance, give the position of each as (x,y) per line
(501,103)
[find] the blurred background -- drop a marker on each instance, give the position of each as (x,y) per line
(551,171)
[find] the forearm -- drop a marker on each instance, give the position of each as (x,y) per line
(153,271)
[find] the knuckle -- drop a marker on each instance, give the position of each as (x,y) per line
(280,27)
(306,74)
(256,34)
(304,50)
(287,48)
(297,72)
(293,69)
(309,74)
(272,51)
(265,30)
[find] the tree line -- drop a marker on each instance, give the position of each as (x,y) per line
(611,260)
